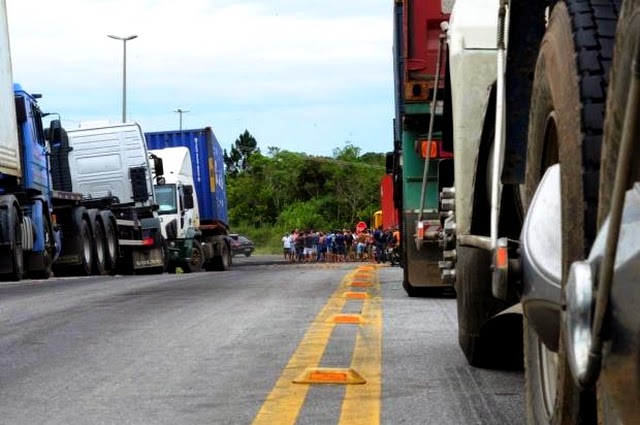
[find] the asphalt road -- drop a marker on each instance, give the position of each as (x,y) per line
(224,348)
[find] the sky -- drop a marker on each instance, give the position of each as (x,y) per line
(301,75)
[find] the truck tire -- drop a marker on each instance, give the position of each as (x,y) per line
(222,262)
(86,251)
(565,126)
(626,46)
(194,264)
(47,253)
(11,220)
(110,241)
(98,245)
(476,305)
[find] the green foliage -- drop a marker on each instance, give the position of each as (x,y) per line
(284,190)
(244,147)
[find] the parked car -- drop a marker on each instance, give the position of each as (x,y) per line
(241,245)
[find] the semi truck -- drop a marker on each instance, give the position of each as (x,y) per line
(111,167)
(42,222)
(543,101)
(421,163)
(192,198)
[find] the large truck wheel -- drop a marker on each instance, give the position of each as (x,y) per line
(47,253)
(110,241)
(565,127)
(194,264)
(476,305)
(86,251)
(11,221)
(98,242)
(222,262)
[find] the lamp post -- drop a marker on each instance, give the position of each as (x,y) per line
(124,72)
(180,112)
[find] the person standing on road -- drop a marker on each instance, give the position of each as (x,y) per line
(286,246)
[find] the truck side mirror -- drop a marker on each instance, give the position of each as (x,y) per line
(157,165)
(188,196)
(389,163)
(54,133)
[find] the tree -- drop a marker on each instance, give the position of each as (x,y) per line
(237,161)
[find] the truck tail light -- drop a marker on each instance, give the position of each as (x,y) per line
(147,241)
(429,148)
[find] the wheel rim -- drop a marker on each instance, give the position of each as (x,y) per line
(196,257)
(100,252)
(87,245)
(111,245)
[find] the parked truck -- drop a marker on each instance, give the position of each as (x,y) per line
(40,217)
(543,98)
(192,198)
(111,167)
(29,242)
(421,163)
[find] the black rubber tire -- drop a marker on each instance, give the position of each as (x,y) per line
(609,388)
(99,250)
(247,253)
(86,253)
(48,253)
(222,262)
(17,258)
(565,126)
(412,291)
(475,304)
(194,265)
(110,242)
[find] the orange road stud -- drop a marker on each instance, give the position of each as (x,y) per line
(325,375)
(348,319)
(356,295)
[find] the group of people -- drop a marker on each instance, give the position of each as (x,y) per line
(339,245)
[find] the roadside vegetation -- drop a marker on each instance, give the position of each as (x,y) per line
(271,193)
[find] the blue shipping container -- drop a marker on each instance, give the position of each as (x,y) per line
(208,167)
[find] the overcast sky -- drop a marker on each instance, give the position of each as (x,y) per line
(302,75)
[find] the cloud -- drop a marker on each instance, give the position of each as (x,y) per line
(255,61)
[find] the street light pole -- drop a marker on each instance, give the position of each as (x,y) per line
(124,72)
(180,112)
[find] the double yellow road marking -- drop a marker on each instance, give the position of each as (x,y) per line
(361,404)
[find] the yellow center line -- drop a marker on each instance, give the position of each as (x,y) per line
(283,404)
(361,404)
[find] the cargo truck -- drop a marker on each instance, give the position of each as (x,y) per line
(40,217)
(111,167)
(192,198)
(544,101)
(421,163)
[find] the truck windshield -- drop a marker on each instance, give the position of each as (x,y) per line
(166,198)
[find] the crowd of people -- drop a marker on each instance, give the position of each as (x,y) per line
(339,245)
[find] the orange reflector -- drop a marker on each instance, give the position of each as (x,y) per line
(322,375)
(429,148)
(420,230)
(502,257)
(356,295)
(328,376)
(360,284)
(362,275)
(347,319)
